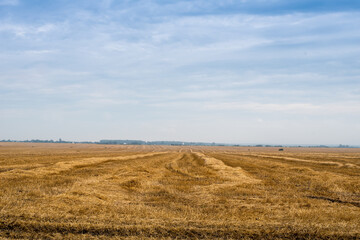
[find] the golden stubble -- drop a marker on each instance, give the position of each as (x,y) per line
(96,191)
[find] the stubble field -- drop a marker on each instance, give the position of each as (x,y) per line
(79,191)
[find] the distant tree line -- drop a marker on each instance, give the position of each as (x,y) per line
(172,143)
(38,141)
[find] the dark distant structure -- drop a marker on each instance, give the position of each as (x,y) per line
(281,149)
(124,142)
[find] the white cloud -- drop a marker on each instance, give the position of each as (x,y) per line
(25,30)
(45,28)
(39,52)
(18,30)
(297,108)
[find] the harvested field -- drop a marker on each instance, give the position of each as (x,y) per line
(79,191)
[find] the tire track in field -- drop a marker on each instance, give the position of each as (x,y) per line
(235,174)
(156,181)
(338,164)
(331,163)
(119,182)
(187,165)
(204,177)
(68,165)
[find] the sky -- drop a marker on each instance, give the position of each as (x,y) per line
(245,72)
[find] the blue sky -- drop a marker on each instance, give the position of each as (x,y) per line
(272,72)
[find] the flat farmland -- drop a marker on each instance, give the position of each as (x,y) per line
(79,191)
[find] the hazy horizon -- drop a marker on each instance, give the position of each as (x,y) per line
(278,72)
(253,144)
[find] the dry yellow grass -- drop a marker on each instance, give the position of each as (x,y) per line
(73,191)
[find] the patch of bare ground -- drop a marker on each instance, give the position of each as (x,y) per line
(71,191)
